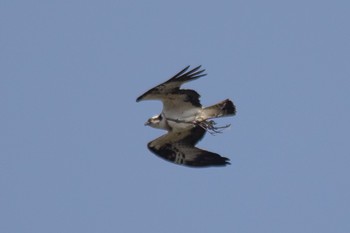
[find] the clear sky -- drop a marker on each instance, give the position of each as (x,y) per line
(73,145)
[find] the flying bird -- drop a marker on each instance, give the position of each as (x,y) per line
(186,121)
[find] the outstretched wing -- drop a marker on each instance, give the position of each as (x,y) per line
(167,90)
(179,148)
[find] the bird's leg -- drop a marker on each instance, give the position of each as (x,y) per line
(180,121)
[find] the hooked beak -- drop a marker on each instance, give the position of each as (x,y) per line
(147,123)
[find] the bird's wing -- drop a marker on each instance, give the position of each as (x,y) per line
(179,148)
(172,86)
(177,103)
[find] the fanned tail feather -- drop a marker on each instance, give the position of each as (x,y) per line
(224,108)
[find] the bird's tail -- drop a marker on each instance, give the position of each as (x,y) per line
(224,108)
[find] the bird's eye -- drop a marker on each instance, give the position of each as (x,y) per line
(160,117)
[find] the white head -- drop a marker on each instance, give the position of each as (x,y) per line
(157,122)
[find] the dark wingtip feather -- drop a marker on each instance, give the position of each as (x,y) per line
(211,161)
(190,75)
(221,161)
(180,73)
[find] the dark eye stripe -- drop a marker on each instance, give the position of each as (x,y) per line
(160,117)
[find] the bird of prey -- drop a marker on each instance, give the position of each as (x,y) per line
(186,121)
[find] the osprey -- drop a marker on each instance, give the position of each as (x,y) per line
(186,121)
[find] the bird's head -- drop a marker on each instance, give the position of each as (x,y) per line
(155,121)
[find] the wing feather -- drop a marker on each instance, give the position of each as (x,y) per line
(172,85)
(179,148)
(190,75)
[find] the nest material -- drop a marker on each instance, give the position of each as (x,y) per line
(210,127)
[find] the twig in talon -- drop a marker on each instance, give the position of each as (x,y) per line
(210,127)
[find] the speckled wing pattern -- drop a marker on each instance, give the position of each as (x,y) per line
(179,148)
(170,93)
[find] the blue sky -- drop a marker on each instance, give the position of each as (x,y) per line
(73,155)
